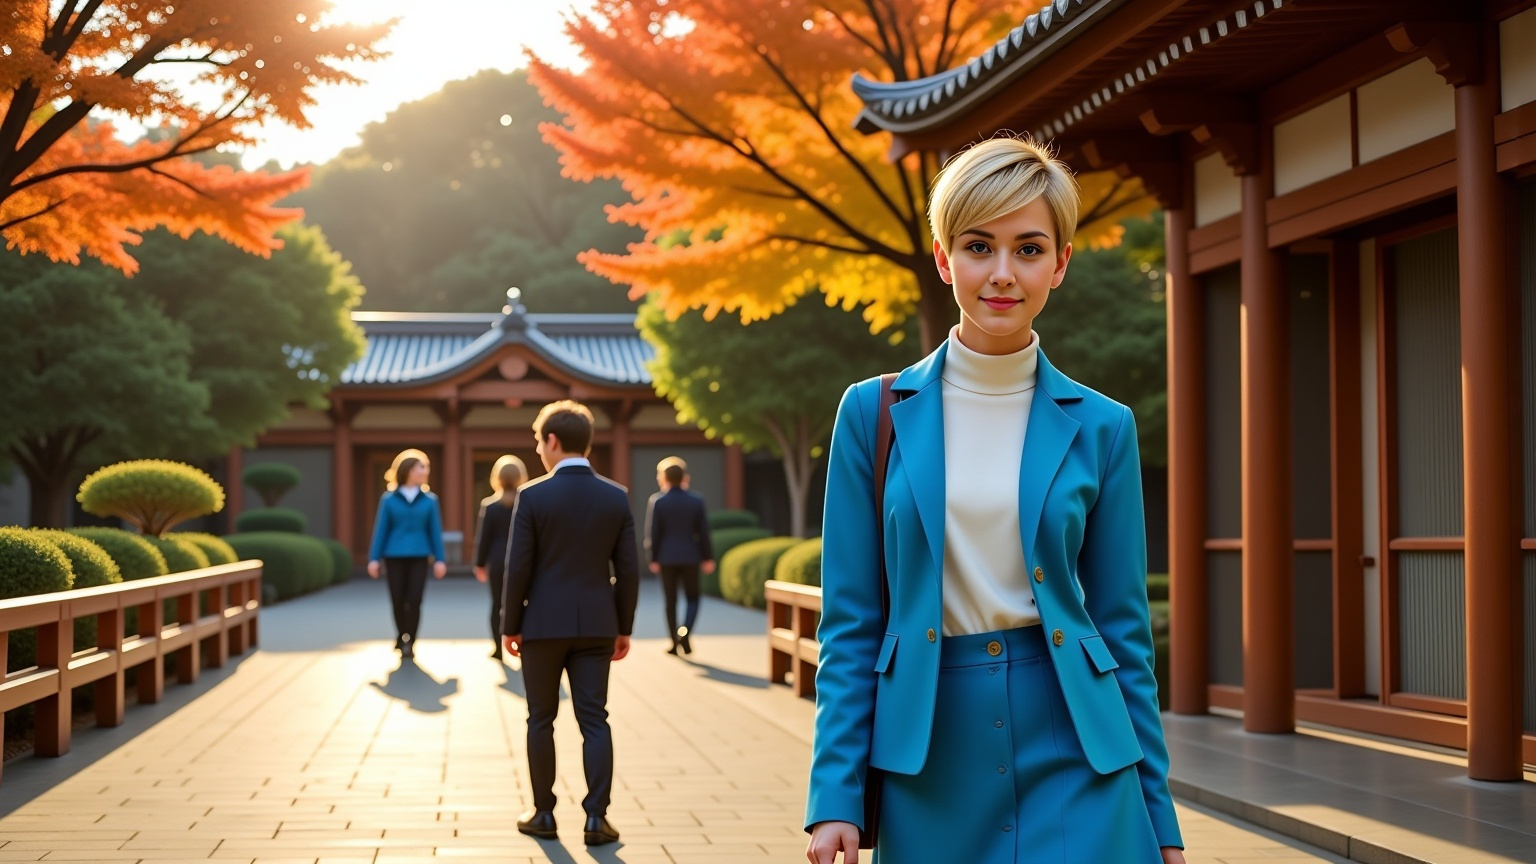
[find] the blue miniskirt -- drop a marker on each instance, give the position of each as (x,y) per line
(1006,780)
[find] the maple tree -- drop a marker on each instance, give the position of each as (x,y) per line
(730,123)
(69,186)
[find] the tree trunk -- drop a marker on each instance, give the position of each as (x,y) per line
(795,453)
(47,463)
(935,308)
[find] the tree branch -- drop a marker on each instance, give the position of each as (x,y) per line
(6,226)
(63,38)
(819,243)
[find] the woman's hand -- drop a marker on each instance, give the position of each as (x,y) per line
(1173,855)
(480,575)
(439,569)
(373,569)
(829,838)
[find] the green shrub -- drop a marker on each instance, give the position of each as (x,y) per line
(180,555)
(292,564)
(29,564)
(92,567)
(745,568)
(1157,586)
(151,494)
(719,519)
(136,557)
(801,564)
(722,542)
(218,551)
(341,560)
(271,481)
(262,519)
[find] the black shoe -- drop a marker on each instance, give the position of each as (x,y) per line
(407,652)
(538,823)
(673,649)
(496,655)
(598,832)
(682,638)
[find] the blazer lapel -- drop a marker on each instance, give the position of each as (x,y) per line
(1047,439)
(918,423)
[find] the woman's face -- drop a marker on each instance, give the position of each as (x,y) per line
(419,473)
(1003,271)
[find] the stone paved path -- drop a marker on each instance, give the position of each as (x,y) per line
(323,748)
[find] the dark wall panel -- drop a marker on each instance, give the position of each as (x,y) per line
(1224,611)
(1311,450)
(1223,394)
(1313,626)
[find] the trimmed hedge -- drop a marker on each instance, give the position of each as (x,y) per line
(152,494)
(801,564)
(341,560)
(723,541)
(262,519)
(271,480)
(1157,586)
(29,564)
(719,519)
(292,564)
(745,568)
(92,567)
(180,554)
(218,551)
(136,557)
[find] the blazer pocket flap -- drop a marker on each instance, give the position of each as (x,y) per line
(1098,652)
(887,651)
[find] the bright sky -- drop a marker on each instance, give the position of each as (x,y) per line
(435,41)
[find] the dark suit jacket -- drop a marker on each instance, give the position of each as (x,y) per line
(676,528)
(572,571)
(491,532)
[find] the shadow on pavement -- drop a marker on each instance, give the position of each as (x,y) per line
(414,685)
(726,676)
(556,852)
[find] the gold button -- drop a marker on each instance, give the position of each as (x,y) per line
(931,635)
(994,649)
(1039,575)
(1058,637)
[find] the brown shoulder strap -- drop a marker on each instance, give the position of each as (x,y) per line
(884,436)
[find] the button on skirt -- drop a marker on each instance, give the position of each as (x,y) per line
(1006,780)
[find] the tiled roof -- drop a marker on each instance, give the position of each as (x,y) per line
(416,348)
(910,106)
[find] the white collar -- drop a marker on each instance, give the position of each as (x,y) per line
(573,461)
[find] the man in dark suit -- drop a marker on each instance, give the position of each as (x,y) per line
(569,606)
(677,537)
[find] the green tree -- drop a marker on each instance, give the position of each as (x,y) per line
(771,384)
(1106,326)
(454,198)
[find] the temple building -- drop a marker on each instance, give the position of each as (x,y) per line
(1350,200)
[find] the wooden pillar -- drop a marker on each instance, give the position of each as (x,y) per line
(343,512)
(1269,701)
(1189,639)
(735,478)
(620,461)
(55,717)
(234,488)
(451,472)
(1489,423)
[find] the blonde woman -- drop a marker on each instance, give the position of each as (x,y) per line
(407,542)
(491,532)
(997,689)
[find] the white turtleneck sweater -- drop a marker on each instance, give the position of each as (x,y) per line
(986,413)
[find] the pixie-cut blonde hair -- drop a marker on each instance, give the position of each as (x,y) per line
(995,178)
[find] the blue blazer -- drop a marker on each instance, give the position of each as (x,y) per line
(1081,522)
(407,529)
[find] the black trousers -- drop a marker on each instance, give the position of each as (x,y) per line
(407,583)
(585,663)
(496,578)
(688,576)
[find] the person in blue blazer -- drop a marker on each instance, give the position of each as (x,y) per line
(407,541)
(1006,700)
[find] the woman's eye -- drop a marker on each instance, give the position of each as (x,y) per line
(977,247)
(1030,249)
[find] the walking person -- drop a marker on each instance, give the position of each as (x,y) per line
(986,654)
(407,542)
(569,606)
(492,529)
(677,538)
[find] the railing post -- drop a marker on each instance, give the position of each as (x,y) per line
(55,644)
(236,633)
(152,671)
(253,626)
(778,661)
(189,659)
(218,649)
(805,679)
(110,698)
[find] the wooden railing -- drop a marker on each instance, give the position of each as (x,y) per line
(216,612)
(793,613)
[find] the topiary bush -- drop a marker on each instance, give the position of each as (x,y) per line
(180,555)
(29,565)
(136,557)
(271,481)
(745,568)
(341,560)
(151,494)
(801,564)
(724,541)
(218,551)
(92,567)
(261,519)
(719,519)
(292,564)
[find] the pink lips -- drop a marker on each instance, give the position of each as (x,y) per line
(1000,303)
